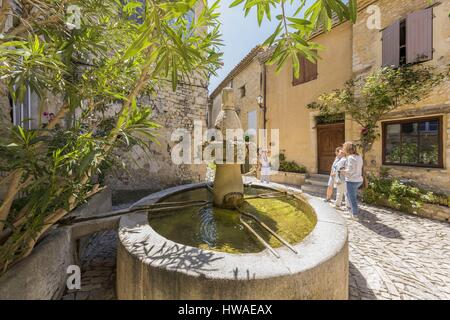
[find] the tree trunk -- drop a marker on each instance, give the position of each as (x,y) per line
(13,189)
(365,181)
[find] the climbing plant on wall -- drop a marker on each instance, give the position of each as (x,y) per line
(368,99)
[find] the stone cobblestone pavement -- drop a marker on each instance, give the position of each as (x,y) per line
(98,269)
(398,256)
(392,256)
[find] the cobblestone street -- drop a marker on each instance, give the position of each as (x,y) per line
(98,269)
(392,256)
(398,256)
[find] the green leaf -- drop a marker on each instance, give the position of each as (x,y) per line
(353,10)
(235,3)
(297,21)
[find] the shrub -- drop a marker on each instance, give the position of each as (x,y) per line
(398,194)
(290,166)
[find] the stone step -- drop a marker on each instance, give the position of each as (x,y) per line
(315,190)
(317,176)
(320,183)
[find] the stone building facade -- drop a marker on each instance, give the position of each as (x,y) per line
(368,56)
(287,100)
(246,79)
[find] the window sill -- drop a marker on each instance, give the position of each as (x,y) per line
(295,84)
(409,167)
(403,65)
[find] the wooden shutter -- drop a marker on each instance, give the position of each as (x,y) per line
(301,78)
(391,45)
(308,71)
(419,36)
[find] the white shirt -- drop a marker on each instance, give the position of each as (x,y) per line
(265,166)
(338,167)
(353,168)
(264,161)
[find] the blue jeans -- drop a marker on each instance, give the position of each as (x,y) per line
(352,195)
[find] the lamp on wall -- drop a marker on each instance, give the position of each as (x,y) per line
(260,101)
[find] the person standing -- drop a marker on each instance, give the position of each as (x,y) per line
(330,187)
(339,180)
(353,176)
(265,166)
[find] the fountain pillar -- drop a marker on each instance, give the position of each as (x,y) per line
(228,190)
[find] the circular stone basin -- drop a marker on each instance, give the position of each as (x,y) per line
(205,253)
(216,229)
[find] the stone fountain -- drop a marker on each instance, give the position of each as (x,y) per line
(228,190)
(232,241)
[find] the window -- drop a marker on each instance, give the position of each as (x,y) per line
(252,121)
(413,143)
(24,113)
(403,42)
(409,40)
(242,91)
(308,72)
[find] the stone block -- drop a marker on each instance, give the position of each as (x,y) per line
(43,274)
(290,178)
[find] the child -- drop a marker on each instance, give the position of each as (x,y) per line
(265,166)
(330,187)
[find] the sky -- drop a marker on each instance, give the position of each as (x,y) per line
(240,34)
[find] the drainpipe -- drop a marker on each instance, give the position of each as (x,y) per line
(264,95)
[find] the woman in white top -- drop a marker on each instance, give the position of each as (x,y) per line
(353,175)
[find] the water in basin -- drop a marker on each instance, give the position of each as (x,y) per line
(220,230)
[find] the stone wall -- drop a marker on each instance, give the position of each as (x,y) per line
(367,57)
(250,77)
(42,275)
(435,212)
(5,116)
(154,169)
(289,178)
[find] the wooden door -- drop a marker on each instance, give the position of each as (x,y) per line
(329,137)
